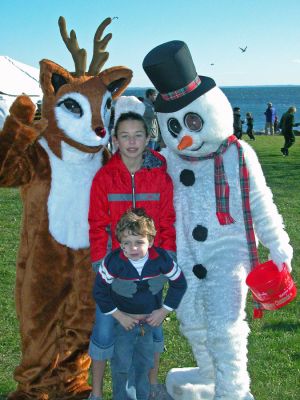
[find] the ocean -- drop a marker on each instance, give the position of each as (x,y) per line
(253,99)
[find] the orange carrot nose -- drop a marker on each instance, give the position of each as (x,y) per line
(185,142)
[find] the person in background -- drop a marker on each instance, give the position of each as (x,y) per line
(250,131)
(150,118)
(135,176)
(270,114)
(237,123)
(287,123)
(276,124)
(129,287)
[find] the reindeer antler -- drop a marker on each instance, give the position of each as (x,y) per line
(79,55)
(100,56)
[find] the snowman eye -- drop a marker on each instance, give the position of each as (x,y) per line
(174,127)
(193,122)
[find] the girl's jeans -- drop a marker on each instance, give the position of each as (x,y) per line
(133,350)
(103,338)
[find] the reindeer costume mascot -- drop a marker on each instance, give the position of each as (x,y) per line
(54,167)
(222,204)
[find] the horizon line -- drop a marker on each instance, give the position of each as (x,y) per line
(231,86)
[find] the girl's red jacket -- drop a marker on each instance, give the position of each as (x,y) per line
(114,190)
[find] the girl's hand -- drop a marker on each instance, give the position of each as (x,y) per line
(157,316)
(125,320)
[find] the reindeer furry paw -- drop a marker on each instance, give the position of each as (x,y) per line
(23,109)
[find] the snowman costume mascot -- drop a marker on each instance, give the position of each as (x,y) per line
(223,207)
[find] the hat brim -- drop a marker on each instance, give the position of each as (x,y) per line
(167,106)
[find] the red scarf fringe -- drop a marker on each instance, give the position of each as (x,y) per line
(224,218)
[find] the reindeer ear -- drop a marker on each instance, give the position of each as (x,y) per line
(52,77)
(114,86)
(57,81)
(116,79)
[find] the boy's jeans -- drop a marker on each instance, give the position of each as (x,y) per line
(133,349)
(102,340)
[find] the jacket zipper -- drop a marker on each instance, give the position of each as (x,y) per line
(133,191)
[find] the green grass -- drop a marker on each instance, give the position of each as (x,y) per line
(274,342)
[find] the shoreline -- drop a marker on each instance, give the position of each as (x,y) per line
(262,133)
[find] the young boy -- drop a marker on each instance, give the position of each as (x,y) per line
(129,287)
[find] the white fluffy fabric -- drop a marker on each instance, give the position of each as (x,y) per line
(68,202)
(217,117)
(212,312)
(185,384)
(125,104)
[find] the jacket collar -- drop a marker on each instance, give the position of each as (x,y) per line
(151,159)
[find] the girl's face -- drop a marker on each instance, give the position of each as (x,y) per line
(131,140)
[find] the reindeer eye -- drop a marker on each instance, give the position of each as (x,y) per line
(71,105)
(108,103)
(174,127)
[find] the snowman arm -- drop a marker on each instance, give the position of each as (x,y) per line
(267,221)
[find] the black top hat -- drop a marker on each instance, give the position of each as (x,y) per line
(171,69)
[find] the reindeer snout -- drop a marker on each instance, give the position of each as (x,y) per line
(100,131)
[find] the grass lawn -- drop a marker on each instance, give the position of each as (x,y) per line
(274,342)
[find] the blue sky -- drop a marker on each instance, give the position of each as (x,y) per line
(213,29)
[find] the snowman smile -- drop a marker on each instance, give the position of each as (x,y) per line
(199,147)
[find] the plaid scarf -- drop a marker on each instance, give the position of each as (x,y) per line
(222,192)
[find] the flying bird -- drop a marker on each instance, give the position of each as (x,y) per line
(212,64)
(243,50)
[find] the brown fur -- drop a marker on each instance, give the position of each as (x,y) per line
(54,282)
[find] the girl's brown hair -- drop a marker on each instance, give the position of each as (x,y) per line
(130,116)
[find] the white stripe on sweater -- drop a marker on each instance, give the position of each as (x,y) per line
(106,276)
(174,273)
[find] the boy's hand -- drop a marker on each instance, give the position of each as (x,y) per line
(157,316)
(125,320)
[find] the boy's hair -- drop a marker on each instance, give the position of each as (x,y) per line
(130,116)
(136,222)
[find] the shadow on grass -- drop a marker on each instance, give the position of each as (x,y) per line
(282,326)
(295,357)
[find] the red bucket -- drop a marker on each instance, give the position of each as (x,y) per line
(272,288)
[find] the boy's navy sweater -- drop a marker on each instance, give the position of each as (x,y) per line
(119,285)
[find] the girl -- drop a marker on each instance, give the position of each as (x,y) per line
(134,177)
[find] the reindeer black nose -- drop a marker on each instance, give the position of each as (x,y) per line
(100,131)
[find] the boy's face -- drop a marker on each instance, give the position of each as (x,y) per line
(135,247)
(131,139)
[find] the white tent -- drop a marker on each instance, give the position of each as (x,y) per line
(16,78)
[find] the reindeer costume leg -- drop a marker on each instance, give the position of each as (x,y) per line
(55,364)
